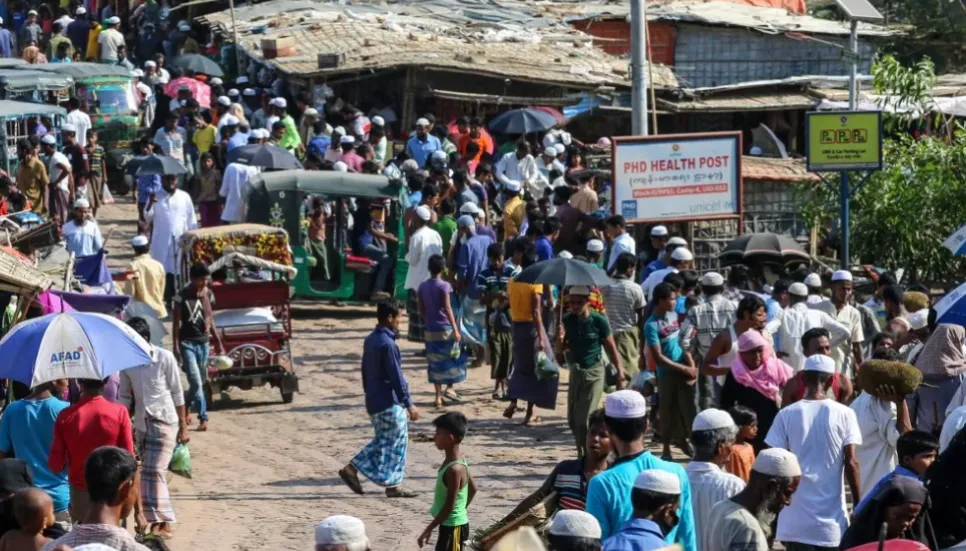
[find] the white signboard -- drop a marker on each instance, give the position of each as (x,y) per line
(677,177)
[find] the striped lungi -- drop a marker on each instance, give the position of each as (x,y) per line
(156,445)
(417,328)
(444,368)
(383,460)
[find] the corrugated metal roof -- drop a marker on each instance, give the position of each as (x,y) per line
(775,170)
(742,101)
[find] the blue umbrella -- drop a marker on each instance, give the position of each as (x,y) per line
(952,307)
(73,345)
(957,242)
(522,121)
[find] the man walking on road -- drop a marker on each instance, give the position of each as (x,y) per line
(390,408)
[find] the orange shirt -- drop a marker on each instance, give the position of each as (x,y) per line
(465,140)
(742,457)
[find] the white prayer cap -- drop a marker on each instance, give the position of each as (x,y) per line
(565,138)
(281,103)
(625,404)
(68,127)
(340,530)
(341,130)
(378,121)
(575,524)
(659,231)
(224,100)
(151,65)
(80,11)
(32,12)
(513,186)
(798,289)
(48,139)
(777,462)
(263,133)
(711,419)
(82,204)
(565,254)
(311,112)
(682,254)
(595,245)
(422,122)
(919,319)
(841,275)
(678,241)
(114,20)
(347,139)
(214,82)
(439,155)
(465,221)
(339,166)
(424,213)
(1,21)
(560,148)
(659,482)
(712,279)
(94,547)
(233,92)
(550,138)
(140,241)
(241,80)
(550,152)
(820,363)
(409,165)
(138,73)
(184,27)
(229,120)
(813,280)
(580,291)
(470,208)
(248,92)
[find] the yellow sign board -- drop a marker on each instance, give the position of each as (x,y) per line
(843,140)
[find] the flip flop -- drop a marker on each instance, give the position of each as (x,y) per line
(351,481)
(454,397)
(509,411)
(403,494)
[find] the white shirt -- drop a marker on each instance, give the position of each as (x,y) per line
(172,215)
(816,431)
(849,317)
(83,240)
(234,185)
(110,41)
(623,243)
(733,528)
(799,318)
(709,486)
(424,243)
(82,123)
(155,389)
(57,164)
(521,170)
(656,278)
(877,452)
(955,421)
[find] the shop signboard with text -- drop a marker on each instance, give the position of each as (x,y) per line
(677,177)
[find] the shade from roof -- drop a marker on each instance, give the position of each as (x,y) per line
(327,183)
(9,108)
(775,170)
(81,70)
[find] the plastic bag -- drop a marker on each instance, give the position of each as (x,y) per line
(545,365)
(181,461)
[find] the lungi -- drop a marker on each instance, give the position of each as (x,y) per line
(383,460)
(677,405)
(500,344)
(59,204)
(417,329)
(628,344)
(584,391)
(155,447)
(210,213)
(524,384)
(444,368)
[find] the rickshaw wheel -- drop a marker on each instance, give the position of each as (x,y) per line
(287,397)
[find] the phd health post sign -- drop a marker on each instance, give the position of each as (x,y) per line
(843,140)
(677,177)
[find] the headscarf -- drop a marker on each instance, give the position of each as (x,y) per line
(767,379)
(898,490)
(942,355)
(32,55)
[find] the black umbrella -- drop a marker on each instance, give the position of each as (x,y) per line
(198,64)
(564,272)
(264,155)
(522,121)
(763,246)
(159,165)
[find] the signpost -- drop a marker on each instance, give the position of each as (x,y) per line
(843,141)
(677,177)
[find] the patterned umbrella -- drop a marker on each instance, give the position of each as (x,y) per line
(200,91)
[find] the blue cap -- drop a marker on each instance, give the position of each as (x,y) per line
(465,221)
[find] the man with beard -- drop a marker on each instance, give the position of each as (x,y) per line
(743,523)
(655,497)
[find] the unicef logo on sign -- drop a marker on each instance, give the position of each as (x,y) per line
(67,357)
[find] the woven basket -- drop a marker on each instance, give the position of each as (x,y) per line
(536,517)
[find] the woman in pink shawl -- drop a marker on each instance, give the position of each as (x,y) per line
(755,381)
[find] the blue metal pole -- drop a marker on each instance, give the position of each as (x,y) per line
(845,193)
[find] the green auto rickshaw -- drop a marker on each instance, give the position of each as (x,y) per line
(113,105)
(34,86)
(16,123)
(285,199)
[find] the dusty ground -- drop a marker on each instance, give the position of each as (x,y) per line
(265,473)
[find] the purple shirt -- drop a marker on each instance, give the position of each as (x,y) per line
(432,293)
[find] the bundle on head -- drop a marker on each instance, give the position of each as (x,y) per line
(915,301)
(905,378)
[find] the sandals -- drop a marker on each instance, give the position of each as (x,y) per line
(452,396)
(510,410)
(351,480)
(395,492)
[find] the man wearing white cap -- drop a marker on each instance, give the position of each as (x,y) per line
(422,144)
(572,530)
(799,318)
(659,241)
(514,209)
(609,493)
(743,523)
(79,30)
(147,283)
(814,283)
(848,354)
(519,166)
(341,533)
(680,259)
(234,185)
(424,242)
(291,139)
(61,184)
(712,436)
(110,41)
(823,435)
(81,234)
(703,324)
(547,162)
(656,495)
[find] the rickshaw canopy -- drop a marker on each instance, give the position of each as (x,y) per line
(80,70)
(207,245)
(12,109)
(6,62)
(329,183)
(23,80)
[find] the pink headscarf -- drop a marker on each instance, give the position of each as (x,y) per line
(767,379)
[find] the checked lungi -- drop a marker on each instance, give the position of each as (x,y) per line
(155,447)
(383,460)
(417,328)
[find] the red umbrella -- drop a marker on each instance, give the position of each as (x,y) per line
(200,91)
(891,545)
(487,139)
(552,112)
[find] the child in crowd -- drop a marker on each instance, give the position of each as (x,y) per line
(742,453)
(34,510)
(917,450)
(491,284)
(454,487)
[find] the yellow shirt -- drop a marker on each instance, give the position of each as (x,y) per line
(523,297)
(204,137)
(513,213)
(92,41)
(31,181)
(148,286)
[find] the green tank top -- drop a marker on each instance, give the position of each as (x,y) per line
(458,516)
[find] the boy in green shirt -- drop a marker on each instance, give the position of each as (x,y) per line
(454,487)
